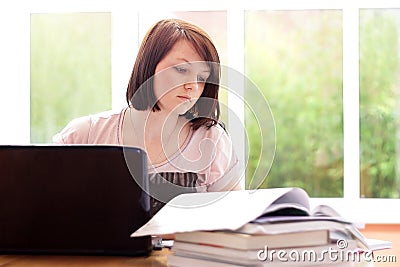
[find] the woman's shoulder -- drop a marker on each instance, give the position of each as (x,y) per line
(90,128)
(96,120)
(106,115)
(74,132)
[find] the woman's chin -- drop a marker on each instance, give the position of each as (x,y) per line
(183,108)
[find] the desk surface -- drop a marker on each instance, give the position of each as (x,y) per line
(156,259)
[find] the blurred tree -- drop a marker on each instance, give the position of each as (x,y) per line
(70,69)
(296,60)
(379,67)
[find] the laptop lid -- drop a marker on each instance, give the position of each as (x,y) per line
(73,199)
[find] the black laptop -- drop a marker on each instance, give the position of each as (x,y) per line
(73,199)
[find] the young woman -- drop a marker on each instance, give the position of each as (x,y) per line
(172,113)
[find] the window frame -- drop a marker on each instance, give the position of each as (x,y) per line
(15,67)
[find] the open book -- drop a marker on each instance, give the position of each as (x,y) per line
(246,211)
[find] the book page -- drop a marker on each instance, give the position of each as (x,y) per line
(212,211)
(296,198)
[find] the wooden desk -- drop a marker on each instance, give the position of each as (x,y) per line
(156,259)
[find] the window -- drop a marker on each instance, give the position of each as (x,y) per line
(328,71)
(379,103)
(296,61)
(70,70)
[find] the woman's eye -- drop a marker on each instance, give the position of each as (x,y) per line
(180,69)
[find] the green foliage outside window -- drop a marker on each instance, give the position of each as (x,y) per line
(297,63)
(295,58)
(70,69)
(379,103)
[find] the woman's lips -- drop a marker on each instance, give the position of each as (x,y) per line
(185,98)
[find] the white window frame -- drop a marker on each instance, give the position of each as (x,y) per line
(15,73)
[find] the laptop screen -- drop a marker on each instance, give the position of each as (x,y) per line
(73,199)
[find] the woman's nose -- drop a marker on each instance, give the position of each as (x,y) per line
(191,85)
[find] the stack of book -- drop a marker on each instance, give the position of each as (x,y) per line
(212,248)
(302,243)
(281,232)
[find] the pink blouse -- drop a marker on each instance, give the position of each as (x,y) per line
(206,161)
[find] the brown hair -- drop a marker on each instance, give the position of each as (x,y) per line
(157,42)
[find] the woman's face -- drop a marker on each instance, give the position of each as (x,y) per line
(180,78)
